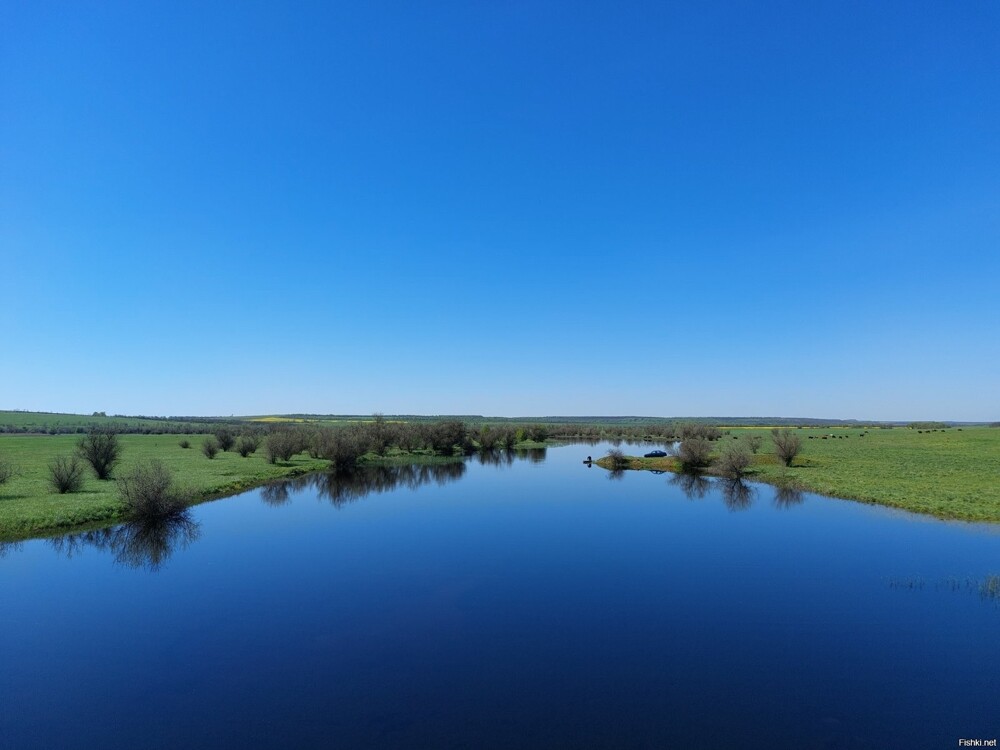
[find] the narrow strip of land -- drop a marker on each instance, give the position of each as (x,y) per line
(947,473)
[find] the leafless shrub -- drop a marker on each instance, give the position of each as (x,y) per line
(7,471)
(737,494)
(66,474)
(786,445)
(734,461)
(148,492)
(281,445)
(694,453)
(101,449)
(618,459)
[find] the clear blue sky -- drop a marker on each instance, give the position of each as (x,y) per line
(525,208)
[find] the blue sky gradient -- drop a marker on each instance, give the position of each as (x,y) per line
(507,209)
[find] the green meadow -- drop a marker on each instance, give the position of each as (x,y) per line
(950,474)
(29,507)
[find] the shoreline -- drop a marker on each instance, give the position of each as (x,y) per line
(797,483)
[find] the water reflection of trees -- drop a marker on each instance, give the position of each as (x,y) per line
(7,548)
(737,494)
(136,544)
(346,486)
(787,497)
(495,458)
(534,455)
(694,485)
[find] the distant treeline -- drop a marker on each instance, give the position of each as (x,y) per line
(596,427)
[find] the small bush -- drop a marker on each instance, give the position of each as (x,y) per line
(282,445)
(489,438)
(66,474)
(734,461)
(148,492)
(445,435)
(508,438)
(185,443)
(101,449)
(786,445)
(342,448)
(246,445)
(226,438)
(618,459)
(7,471)
(538,432)
(694,453)
(691,430)
(210,447)
(754,442)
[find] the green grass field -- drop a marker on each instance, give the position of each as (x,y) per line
(952,474)
(28,507)
(34,421)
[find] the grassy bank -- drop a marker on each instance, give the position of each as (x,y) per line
(951,474)
(29,507)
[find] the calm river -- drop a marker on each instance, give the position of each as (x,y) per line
(527,603)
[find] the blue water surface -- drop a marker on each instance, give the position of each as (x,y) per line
(526,601)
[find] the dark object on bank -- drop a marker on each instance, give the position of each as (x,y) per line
(589,460)
(655,454)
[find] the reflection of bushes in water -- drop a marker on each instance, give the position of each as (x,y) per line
(341,487)
(347,486)
(137,544)
(616,474)
(987,587)
(990,587)
(535,455)
(787,497)
(693,485)
(495,458)
(737,495)
(276,493)
(7,548)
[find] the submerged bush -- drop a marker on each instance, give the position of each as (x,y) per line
(148,492)
(66,474)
